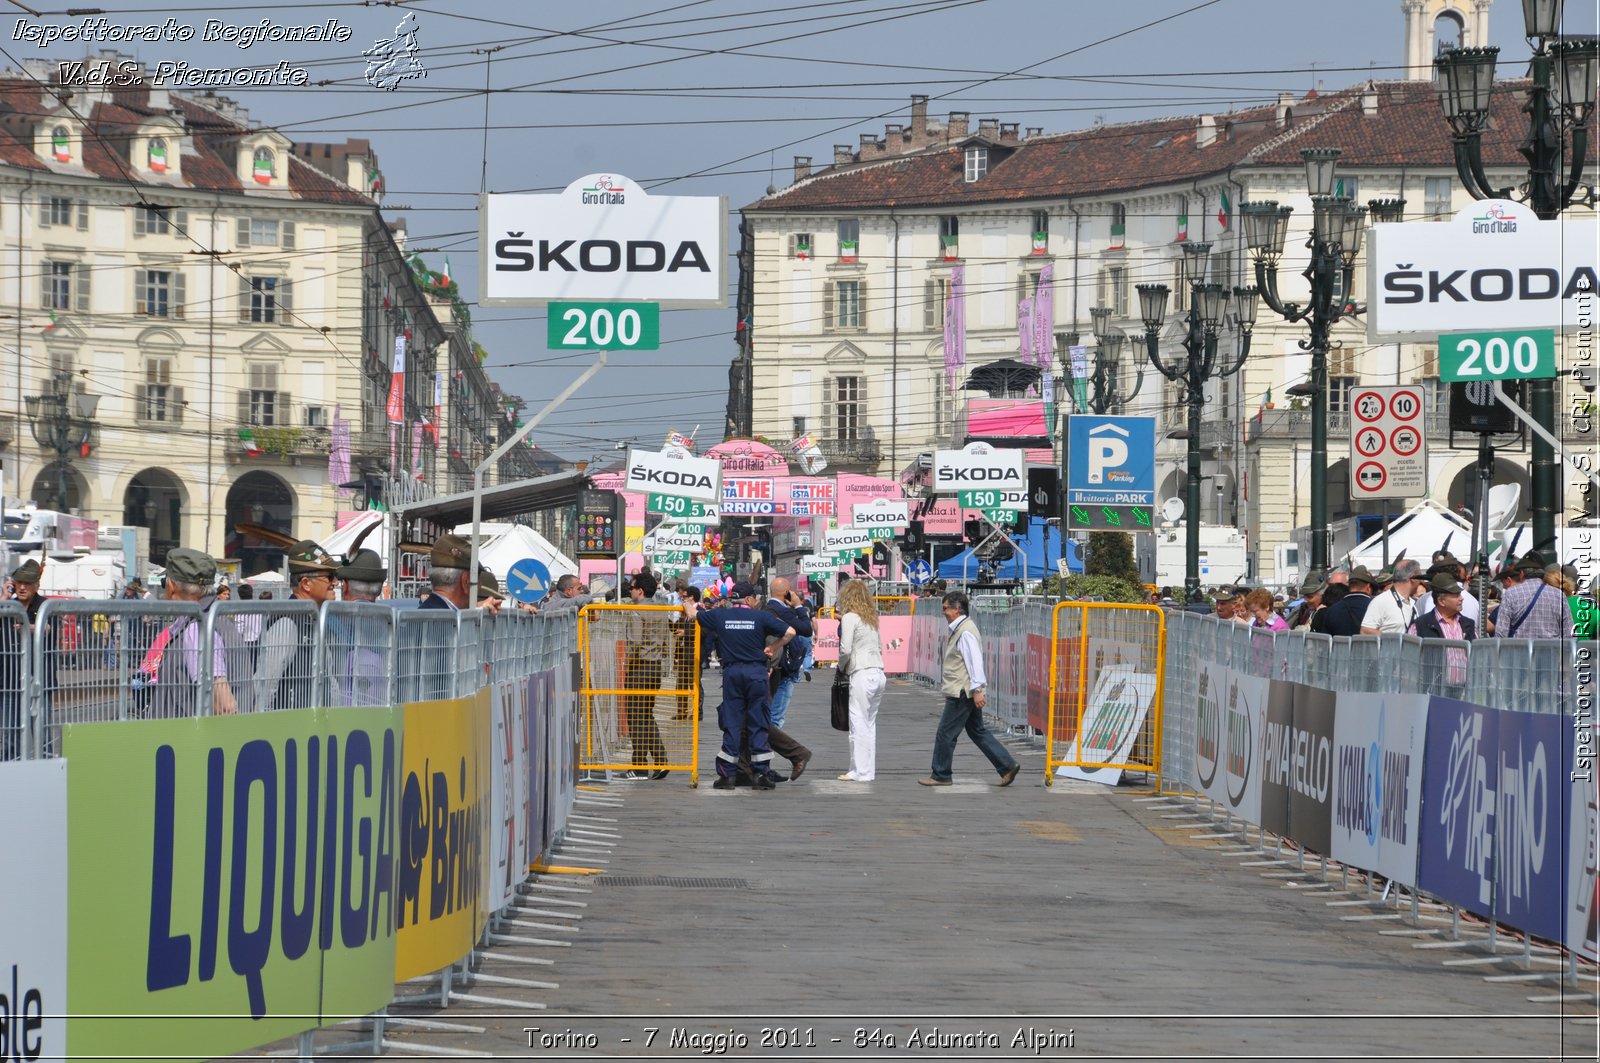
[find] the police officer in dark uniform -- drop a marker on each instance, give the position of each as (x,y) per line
(741,640)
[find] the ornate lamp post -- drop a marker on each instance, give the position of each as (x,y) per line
(1106,391)
(1559,104)
(1206,319)
(1335,244)
(63,422)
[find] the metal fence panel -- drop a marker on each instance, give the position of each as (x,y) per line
(108,660)
(18,721)
(641,682)
(357,658)
(1109,662)
(426,665)
(265,656)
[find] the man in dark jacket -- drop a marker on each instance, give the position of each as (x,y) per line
(1344,616)
(1445,620)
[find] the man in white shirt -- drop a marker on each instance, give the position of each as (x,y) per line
(963,685)
(1392,611)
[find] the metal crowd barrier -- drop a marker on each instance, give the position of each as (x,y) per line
(639,660)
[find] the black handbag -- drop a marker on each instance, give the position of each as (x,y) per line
(839,709)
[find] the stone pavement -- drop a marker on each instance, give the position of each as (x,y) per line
(826,908)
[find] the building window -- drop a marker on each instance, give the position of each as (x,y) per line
(157,399)
(158,221)
(934,293)
(1339,389)
(1436,391)
(977,163)
(842,302)
(950,237)
(266,166)
(1114,290)
(1041,232)
(63,211)
(263,404)
(263,300)
(156,155)
(158,293)
(847,407)
(799,427)
(800,246)
(265,232)
(1119,225)
(849,239)
(316,417)
(1347,187)
(1436,193)
(64,286)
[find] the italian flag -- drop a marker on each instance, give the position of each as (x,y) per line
(444,274)
(377,182)
(847,250)
(1041,243)
(1224,211)
(158,157)
(263,171)
(62,146)
(247,437)
(950,245)
(1183,226)
(802,249)
(52,324)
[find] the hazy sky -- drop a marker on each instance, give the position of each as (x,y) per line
(715,97)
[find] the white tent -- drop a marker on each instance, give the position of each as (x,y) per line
(506,544)
(1415,535)
(338,544)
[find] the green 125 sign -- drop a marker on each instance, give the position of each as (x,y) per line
(1523,354)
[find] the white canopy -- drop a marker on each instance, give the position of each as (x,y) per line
(1421,530)
(506,544)
(338,544)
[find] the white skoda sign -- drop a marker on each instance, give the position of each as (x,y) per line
(978,466)
(1497,266)
(603,238)
(818,565)
(881,513)
(673,472)
(848,539)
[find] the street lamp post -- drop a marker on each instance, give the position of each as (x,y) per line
(1560,102)
(1106,382)
(63,422)
(1335,244)
(1205,321)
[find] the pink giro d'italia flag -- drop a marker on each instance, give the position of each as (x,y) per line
(397,383)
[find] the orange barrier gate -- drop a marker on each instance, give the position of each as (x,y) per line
(634,656)
(1105,690)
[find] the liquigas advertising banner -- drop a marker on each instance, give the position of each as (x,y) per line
(1497,266)
(674,472)
(258,878)
(978,466)
(603,238)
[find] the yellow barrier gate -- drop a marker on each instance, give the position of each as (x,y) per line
(641,695)
(1106,666)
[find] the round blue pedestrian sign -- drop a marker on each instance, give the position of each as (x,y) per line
(919,572)
(528,580)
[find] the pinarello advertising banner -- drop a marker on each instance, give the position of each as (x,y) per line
(1535,758)
(1456,859)
(1310,763)
(1378,746)
(1276,742)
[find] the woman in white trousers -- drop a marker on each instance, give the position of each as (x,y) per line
(861,656)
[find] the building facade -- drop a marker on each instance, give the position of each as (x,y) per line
(231,304)
(851,268)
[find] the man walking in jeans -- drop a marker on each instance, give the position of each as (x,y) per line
(964,698)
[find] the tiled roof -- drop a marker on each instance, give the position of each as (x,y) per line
(1406,128)
(209,166)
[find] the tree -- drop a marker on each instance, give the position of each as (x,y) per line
(1111,554)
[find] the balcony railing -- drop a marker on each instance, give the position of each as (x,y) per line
(864,451)
(1215,434)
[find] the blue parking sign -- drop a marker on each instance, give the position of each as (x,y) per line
(1111,461)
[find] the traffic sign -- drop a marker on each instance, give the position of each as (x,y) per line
(992,498)
(1111,471)
(919,572)
(1523,354)
(1001,516)
(678,506)
(1388,447)
(528,580)
(603,326)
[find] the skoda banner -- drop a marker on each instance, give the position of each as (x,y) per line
(1496,267)
(603,238)
(978,467)
(674,472)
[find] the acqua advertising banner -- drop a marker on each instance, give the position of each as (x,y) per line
(33,896)
(443,857)
(1456,858)
(255,878)
(1530,869)
(1309,760)
(1377,782)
